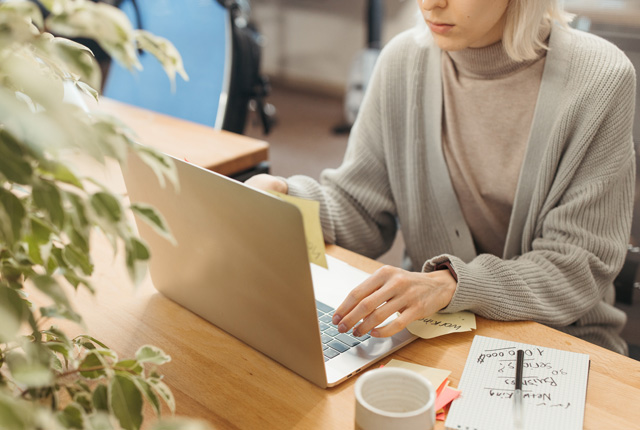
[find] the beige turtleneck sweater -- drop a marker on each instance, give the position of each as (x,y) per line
(482,88)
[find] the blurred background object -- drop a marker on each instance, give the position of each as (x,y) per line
(221,50)
(362,65)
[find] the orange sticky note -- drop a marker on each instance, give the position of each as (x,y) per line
(445,383)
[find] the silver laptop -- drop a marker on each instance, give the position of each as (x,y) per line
(241,263)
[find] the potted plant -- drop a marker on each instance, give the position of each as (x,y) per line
(49,214)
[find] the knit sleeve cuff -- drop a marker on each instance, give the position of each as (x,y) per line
(456,267)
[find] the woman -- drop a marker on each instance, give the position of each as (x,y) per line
(502,148)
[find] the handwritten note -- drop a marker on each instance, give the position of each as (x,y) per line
(310,210)
(554,387)
(440,324)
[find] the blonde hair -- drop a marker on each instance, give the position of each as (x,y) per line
(526,20)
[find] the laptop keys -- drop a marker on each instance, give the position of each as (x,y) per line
(347,340)
(330,353)
(326,318)
(334,342)
(331,331)
(338,346)
(324,308)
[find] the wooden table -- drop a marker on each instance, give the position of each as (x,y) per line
(220,379)
(218,150)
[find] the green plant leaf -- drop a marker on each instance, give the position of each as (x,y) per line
(83,339)
(72,417)
(54,334)
(55,311)
(46,196)
(13,312)
(48,285)
(76,258)
(13,210)
(126,402)
(29,371)
(107,206)
(75,280)
(181,424)
(137,256)
(107,25)
(102,421)
(152,217)
(37,240)
(62,173)
(88,90)
(54,6)
(163,391)
(60,348)
(79,239)
(13,164)
(152,354)
(56,364)
(113,140)
(84,400)
(25,9)
(78,230)
(12,416)
(165,52)
(78,59)
(130,366)
(93,366)
(100,398)
(161,164)
(149,394)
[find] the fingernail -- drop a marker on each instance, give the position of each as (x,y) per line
(342,328)
(356,333)
(336,319)
(375,333)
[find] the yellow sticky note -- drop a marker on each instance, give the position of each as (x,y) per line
(440,324)
(435,376)
(310,210)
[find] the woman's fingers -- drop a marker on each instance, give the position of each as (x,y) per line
(377,317)
(357,296)
(398,324)
(390,290)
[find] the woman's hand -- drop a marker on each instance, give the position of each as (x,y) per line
(390,290)
(267,183)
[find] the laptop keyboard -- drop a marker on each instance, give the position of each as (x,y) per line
(334,343)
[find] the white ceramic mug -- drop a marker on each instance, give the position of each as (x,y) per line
(394,398)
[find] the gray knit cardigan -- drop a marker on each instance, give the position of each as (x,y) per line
(571,217)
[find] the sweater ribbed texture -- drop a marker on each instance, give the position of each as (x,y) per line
(571,218)
(483,87)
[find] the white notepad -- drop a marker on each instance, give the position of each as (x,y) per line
(554,387)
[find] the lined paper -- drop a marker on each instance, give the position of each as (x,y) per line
(554,387)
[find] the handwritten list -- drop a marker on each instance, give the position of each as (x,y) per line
(554,387)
